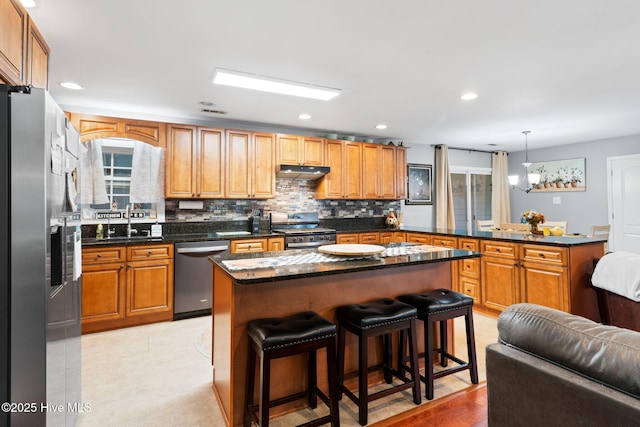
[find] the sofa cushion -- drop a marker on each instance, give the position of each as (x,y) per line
(606,354)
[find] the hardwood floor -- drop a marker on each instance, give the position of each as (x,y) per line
(466,408)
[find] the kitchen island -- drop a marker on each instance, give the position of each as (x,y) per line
(273,284)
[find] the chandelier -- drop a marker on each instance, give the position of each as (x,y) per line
(530,180)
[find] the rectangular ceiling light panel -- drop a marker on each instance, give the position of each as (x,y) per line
(268,84)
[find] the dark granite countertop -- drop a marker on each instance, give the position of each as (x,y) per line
(301,270)
(190,232)
(567,240)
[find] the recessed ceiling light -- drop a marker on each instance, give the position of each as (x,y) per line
(304,116)
(28,3)
(206,103)
(381,126)
(71,85)
(270,84)
(469,96)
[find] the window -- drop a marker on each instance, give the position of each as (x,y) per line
(471,196)
(117,156)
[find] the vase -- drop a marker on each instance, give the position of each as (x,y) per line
(534,228)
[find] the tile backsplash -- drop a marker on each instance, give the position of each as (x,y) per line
(291,196)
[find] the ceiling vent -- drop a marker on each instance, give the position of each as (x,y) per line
(206,110)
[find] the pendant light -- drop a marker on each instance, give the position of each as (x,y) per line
(530,179)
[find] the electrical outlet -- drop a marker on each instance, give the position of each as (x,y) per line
(557,201)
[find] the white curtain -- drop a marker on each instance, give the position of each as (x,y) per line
(500,203)
(93,189)
(445,218)
(147,174)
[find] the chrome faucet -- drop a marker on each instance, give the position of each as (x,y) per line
(110,231)
(130,230)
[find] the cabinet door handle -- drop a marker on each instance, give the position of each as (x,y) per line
(541,254)
(121,266)
(150,252)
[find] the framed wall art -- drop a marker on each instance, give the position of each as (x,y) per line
(420,184)
(560,175)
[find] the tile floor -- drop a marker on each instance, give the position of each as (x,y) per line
(160,375)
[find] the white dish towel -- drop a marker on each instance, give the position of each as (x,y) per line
(92,188)
(619,272)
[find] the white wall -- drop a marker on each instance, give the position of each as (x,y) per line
(581,209)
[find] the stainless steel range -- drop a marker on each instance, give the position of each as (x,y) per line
(301,230)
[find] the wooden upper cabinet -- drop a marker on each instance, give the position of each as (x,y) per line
(93,127)
(387,172)
(379,171)
(210,157)
(344,158)
(353,170)
(38,58)
(24,54)
(401,173)
(238,183)
(250,165)
(180,160)
(370,171)
(13,42)
(263,166)
(300,150)
(195,162)
(331,186)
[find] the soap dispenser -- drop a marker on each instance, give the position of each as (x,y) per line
(99,232)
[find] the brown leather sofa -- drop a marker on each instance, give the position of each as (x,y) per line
(552,368)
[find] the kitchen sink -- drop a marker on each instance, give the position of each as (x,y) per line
(133,239)
(233,233)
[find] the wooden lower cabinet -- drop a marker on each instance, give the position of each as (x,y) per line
(103,289)
(126,286)
(469,270)
(511,272)
(149,287)
(369,238)
(424,239)
(536,274)
(347,238)
(275,243)
(249,245)
(544,285)
(499,283)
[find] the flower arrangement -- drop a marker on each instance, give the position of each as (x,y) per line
(533,217)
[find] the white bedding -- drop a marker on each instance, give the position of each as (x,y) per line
(619,272)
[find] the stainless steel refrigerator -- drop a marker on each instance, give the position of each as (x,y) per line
(40,269)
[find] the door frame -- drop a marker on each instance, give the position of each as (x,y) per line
(610,212)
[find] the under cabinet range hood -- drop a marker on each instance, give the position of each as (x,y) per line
(301,172)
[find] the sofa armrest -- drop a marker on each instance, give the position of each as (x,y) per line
(603,353)
(524,390)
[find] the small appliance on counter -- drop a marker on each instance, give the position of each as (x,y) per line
(255,224)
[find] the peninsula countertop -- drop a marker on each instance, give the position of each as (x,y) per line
(291,264)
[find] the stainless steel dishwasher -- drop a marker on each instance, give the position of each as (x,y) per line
(193,277)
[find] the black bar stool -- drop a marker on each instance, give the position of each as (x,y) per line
(273,338)
(375,318)
(441,305)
